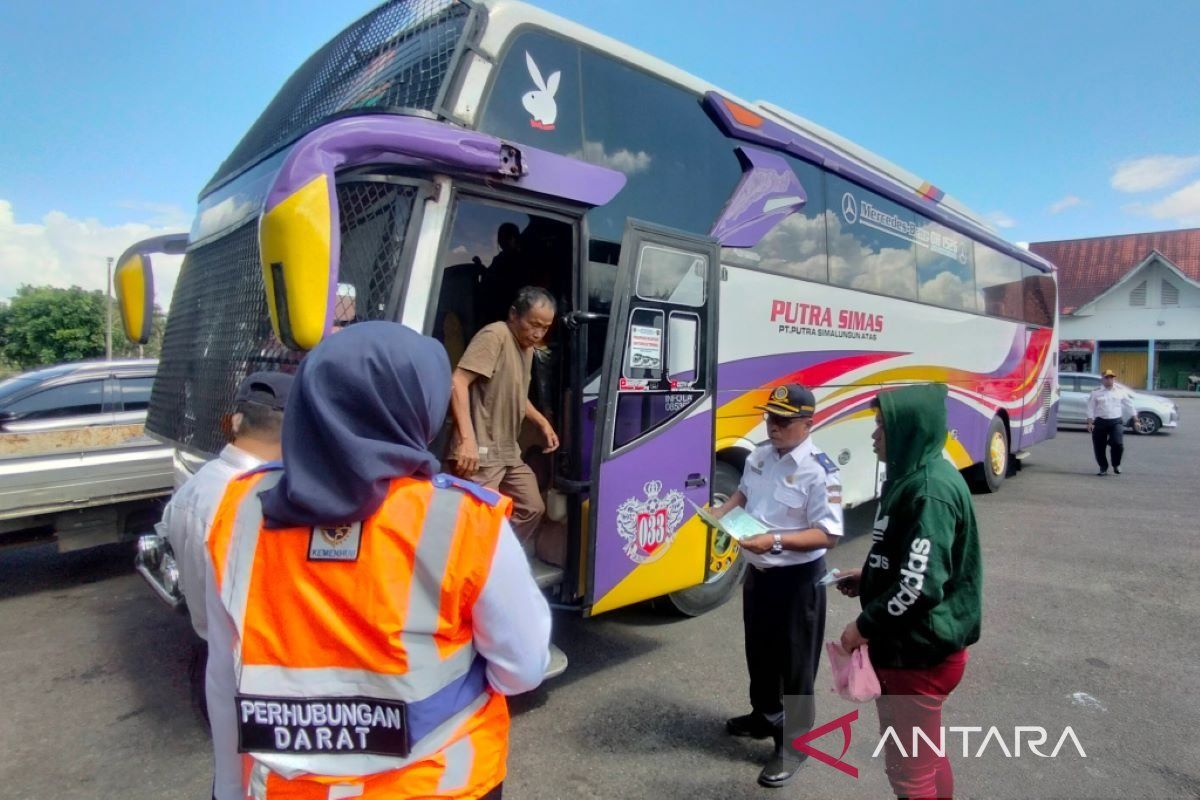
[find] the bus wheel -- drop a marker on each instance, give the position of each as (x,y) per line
(725,568)
(989,475)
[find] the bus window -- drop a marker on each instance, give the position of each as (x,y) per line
(680,168)
(870,241)
(945,267)
(671,276)
(1039,296)
(998,284)
(796,247)
(662,371)
(683,332)
(517,95)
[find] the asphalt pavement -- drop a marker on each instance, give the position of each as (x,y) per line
(1090,623)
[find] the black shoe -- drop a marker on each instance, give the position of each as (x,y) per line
(780,769)
(1102,473)
(1117,470)
(752,725)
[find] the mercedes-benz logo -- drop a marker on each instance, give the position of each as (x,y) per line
(849,208)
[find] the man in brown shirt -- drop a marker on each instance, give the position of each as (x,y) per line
(490,401)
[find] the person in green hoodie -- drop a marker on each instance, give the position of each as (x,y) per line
(921,588)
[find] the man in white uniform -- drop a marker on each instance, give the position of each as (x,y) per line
(791,486)
(1108,409)
(257,425)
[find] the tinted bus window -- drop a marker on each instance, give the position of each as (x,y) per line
(945,267)
(671,276)
(998,283)
(1039,296)
(517,95)
(796,247)
(680,168)
(871,241)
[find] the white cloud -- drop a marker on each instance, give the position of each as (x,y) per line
(63,251)
(1183,206)
(1000,219)
(1062,205)
(1153,172)
(888,270)
(948,289)
(622,160)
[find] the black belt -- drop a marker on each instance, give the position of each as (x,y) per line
(800,570)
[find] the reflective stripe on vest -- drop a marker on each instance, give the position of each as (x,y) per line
(443,682)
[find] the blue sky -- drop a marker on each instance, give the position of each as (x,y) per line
(1054,119)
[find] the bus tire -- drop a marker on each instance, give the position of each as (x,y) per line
(988,476)
(704,597)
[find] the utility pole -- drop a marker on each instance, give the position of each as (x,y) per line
(108,304)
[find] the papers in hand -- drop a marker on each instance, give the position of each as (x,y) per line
(737,523)
(830,578)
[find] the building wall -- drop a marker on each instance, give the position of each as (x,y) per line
(1114,318)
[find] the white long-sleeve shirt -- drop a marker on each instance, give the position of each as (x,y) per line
(188,517)
(510,624)
(1114,403)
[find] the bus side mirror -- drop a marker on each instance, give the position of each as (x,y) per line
(134,283)
(297,244)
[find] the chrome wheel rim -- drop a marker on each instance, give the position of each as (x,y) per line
(723,549)
(997,454)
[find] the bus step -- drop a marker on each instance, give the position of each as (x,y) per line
(546,575)
(1021,455)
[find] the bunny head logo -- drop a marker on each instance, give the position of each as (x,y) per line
(540,102)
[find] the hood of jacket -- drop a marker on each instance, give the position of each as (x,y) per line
(914,425)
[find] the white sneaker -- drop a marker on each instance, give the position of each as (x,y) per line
(558,663)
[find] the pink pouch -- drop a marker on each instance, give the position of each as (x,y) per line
(854,678)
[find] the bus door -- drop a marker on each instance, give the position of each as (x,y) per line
(652,457)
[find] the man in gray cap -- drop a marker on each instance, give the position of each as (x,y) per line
(794,489)
(257,425)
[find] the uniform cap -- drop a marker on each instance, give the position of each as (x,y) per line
(790,401)
(265,388)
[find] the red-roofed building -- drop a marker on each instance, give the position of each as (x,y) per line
(1130,304)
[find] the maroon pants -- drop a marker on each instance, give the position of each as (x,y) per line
(912,698)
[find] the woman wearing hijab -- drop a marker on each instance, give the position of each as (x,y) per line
(368,614)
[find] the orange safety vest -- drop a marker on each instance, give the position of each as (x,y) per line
(356,671)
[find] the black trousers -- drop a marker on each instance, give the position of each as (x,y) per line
(1108,433)
(783,611)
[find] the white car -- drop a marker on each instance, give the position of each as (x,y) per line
(1153,412)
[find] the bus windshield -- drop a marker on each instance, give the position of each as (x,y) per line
(395,58)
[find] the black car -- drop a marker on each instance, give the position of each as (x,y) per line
(76,395)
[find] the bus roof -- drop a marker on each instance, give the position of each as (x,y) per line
(506,16)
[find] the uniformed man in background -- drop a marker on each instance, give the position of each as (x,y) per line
(1108,408)
(793,488)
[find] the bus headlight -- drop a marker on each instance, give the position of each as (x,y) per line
(170,576)
(150,550)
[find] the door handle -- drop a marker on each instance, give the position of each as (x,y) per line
(695,481)
(575,319)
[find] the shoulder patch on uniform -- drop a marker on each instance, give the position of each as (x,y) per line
(269,466)
(480,493)
(826,462)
